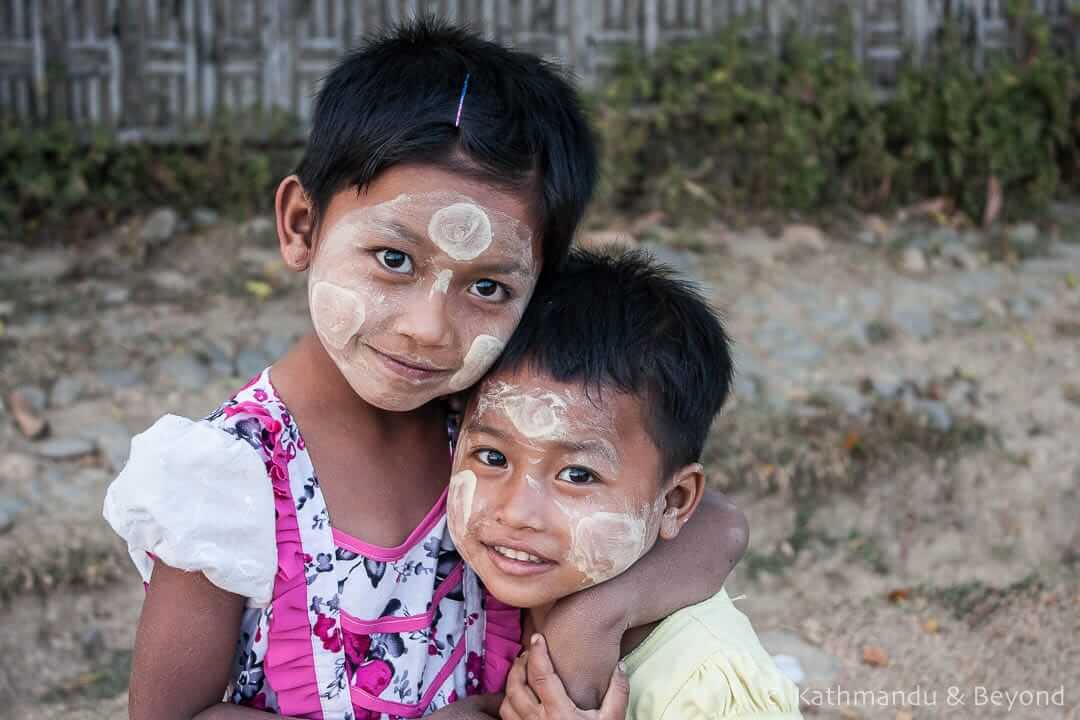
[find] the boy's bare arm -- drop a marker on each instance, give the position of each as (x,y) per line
(584,631)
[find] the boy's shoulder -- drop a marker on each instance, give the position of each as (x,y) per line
(706,661)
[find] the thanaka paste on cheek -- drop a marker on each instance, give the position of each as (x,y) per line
(338,313)
(462,230)
(460,502)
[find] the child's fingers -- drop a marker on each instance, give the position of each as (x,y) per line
(545,683)
(618,696)
(520,699)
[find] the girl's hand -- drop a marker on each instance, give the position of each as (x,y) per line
(535,692)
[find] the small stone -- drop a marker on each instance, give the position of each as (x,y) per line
(936,413)
(915,321)
(1024,235)
(819,669)
(846,398)
(260,227)
(159,226)
(1020,308)
(913,260)
(65,391)
(7,520)
(789,667)
(878,227)
(46,267)
(251,362)
(960,256)
(977,283)
(886,386)
(92,641)
(867,237)
(1067,328)
(69,448)
(172,281)
(1071,393)
(17,468)
(184,370)
(116,295)
(119,378)
(747,386)
(996,307)
(807,237)
(878,332)
(114,442)
(875,656)
(967,312)
(204,217)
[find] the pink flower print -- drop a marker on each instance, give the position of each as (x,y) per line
(374,677)
(356,648)
(261,395)
(328,632)
(258,702)
(452,697)
(474,665)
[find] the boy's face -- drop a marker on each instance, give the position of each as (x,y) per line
(416,283)
(552,491)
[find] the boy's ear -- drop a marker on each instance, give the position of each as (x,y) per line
(295,223)
(682,499)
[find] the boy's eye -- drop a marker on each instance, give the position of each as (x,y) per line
(395,261)
(494,458)
(489,290)
(576,476)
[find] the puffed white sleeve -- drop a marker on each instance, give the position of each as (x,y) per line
(197,499)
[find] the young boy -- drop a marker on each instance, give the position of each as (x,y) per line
(577,453)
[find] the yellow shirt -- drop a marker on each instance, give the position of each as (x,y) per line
(705,662)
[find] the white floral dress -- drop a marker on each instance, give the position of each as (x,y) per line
(334,627)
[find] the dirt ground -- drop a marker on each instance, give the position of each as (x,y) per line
(902,439)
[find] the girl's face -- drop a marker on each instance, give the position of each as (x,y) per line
(417,283)
(552,491)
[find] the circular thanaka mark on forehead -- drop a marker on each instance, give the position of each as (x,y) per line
(461,230)
(338,313)
(536,417)
(481,355)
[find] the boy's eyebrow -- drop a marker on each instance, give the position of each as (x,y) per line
(601,447)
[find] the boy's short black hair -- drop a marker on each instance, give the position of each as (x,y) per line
(395,100)
(619,320)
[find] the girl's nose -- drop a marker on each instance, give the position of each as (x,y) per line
(424,319)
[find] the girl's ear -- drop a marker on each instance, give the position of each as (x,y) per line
(682,499)
(295,224)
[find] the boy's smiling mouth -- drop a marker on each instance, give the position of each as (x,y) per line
(517,560)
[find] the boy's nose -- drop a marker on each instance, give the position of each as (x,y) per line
(519,505)
(424,319)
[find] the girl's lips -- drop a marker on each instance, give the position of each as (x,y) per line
(406,369)
(519,568)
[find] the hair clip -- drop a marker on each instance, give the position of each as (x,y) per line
(461,101)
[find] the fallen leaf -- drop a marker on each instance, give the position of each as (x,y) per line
(29,423)
(261,290)
(849,713)
(1071,281)
(904,715)
(875,656)
(931,626)
(993,201)
(899,595)
(852,441)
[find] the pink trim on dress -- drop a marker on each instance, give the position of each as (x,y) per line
(385,554)
(502,643)
(372,702)
(290,659)
(399,624)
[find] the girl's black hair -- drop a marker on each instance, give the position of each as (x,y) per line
(618,320)
(395,100)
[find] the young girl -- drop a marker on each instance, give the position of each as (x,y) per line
(294,543)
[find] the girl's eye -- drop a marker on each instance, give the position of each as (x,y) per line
(576,476)
(494,458)
(395,261)
(489,290)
